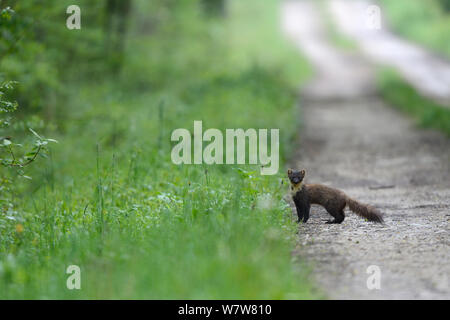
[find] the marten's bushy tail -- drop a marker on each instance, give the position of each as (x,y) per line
(365,211)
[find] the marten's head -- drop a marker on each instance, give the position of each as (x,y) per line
(296,177)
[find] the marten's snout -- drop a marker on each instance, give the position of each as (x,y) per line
(296,176)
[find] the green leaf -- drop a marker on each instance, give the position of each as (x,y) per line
(34,132)
(30,155)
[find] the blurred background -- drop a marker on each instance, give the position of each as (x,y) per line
(92,183)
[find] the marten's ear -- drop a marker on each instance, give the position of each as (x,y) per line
(303,172)
(289,171)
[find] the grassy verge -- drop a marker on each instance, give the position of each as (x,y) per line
(426,22)
(336,37)
(109,199)
(403,97)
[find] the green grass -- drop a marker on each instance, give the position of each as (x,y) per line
(336,37)
(403,97)
(109,199)
(426,22)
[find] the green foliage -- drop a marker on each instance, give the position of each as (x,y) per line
(9,157)
(340,40)
(402,96)
(6,143)
(445,4)
(110,200)
(426,22)
(38,51)
(12,29)
(6,106)
(214,7)
(9,30)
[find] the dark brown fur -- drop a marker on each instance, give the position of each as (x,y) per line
(333,200)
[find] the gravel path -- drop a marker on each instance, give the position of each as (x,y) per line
(354,142)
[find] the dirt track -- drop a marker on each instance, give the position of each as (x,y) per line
(353,141)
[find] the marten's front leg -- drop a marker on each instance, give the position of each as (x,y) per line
(306,213)
(299,214)
(302,210)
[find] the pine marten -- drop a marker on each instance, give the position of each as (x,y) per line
(333,200)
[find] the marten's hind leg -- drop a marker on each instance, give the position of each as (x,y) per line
(338,215)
